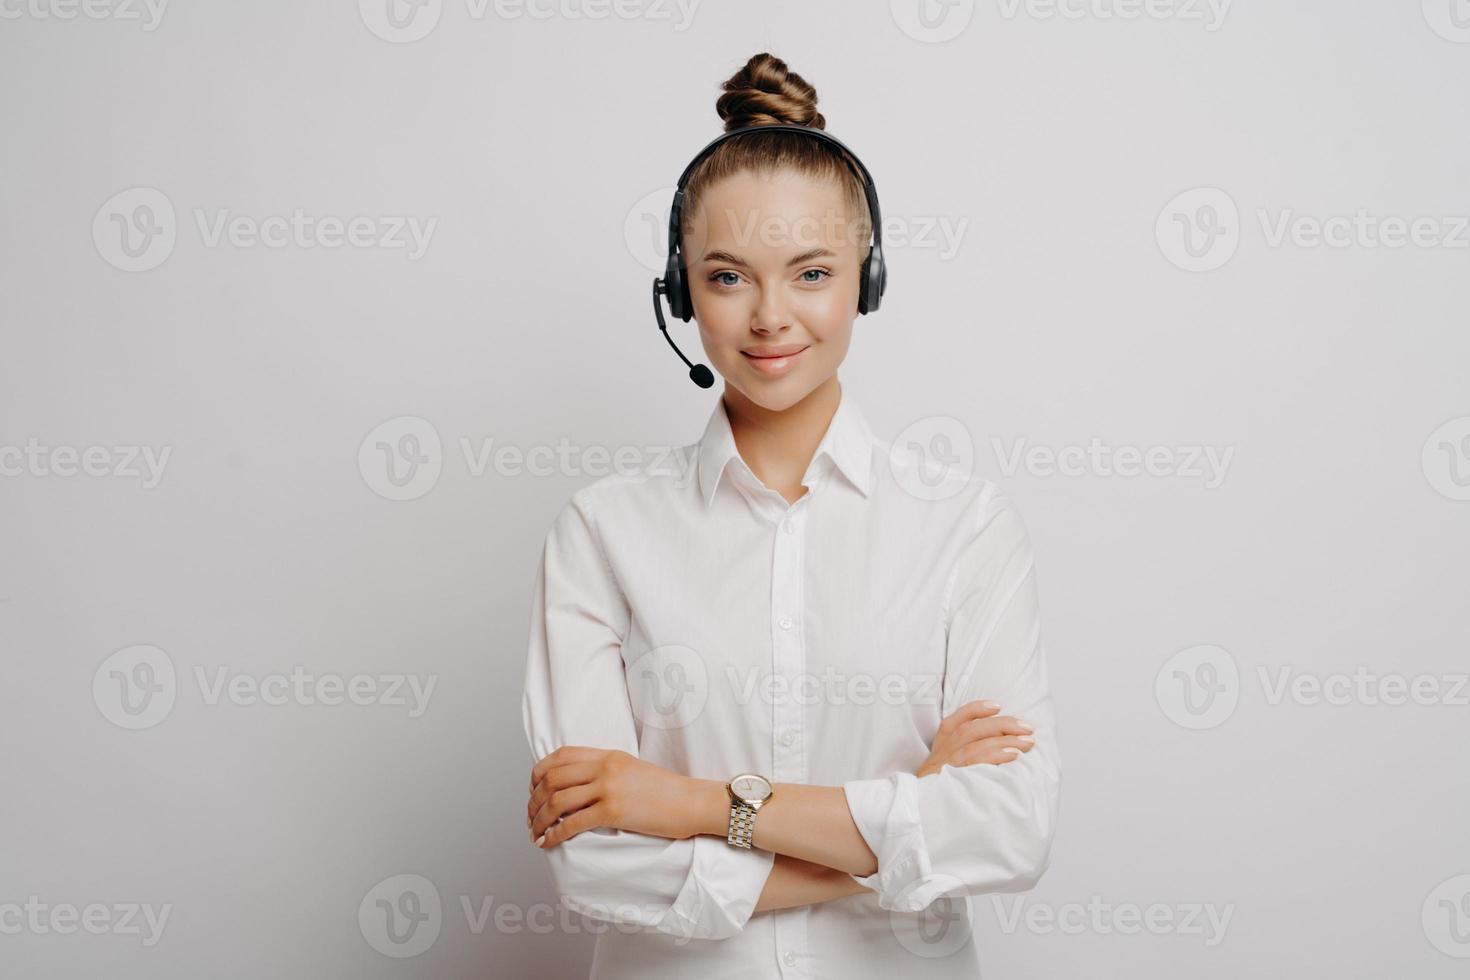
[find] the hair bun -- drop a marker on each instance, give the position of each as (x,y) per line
(765,92)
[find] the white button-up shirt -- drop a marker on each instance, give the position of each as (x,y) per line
(690,615)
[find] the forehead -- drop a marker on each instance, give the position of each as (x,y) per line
(771,213)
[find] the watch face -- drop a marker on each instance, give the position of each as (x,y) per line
(751,788)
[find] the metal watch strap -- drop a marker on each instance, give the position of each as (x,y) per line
(742,824)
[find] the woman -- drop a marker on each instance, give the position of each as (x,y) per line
(787,698)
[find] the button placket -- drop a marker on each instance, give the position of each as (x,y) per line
(788,663)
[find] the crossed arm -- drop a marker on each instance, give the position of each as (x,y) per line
(819,850)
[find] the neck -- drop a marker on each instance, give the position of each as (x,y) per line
(778,445)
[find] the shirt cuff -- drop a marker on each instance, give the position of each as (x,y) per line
(721,892)
(886,813)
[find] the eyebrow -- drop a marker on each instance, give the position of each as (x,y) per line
(730,258)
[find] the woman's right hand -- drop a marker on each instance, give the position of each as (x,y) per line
(977,732)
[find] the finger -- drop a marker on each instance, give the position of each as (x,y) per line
(557,757)
(561,803)
(560,777)
(990,727)
(967,711)
(995,751)
(572,826)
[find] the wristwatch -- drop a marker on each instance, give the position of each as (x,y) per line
(748,793)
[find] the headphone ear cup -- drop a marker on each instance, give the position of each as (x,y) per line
(676,289)
(686,302)
(874,281)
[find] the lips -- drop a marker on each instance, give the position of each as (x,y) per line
(773,362)
(785,350)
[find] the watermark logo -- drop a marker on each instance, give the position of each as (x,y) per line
(646,229)
(401,916)
(1198,687)
(932,21)
(1450,19)
(1445,459)
(1446,917)
(942,927)
(1199,230)
(135,230)
(668,686)
(933,458)
(135,688)
(401,21)
(402,458)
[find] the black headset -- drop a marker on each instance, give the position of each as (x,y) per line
(675,283)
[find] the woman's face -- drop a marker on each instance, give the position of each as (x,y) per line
(773,265)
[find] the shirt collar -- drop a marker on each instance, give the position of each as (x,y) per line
(848,442)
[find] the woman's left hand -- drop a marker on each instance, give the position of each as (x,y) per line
(586,787)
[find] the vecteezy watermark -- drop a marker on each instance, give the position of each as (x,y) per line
(1445,459)
(137,688)
(1097,917)
(403,458)
(123,462)
(668,686)
(1210,13)
(1362,686)
(932,21)
(942,926)
(933,458)
(37,918)
(1199,687)
(402,916)
(646,230)
(1450,19)
(148,13)
(136,230)
(406,21)
(1208,464)
(1200,230)
(1445,917)
(833,687)
(936,21)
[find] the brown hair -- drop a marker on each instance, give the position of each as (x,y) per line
(761,93)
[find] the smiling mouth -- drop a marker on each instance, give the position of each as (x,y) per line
(772,357)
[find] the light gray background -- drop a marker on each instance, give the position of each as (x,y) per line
(1333,835)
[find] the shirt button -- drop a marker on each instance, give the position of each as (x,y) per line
(790,528)
(787,737)
(785,622)
(790,958)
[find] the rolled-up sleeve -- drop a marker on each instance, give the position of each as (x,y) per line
(576,694)
(977,828)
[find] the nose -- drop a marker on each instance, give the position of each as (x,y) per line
(771,312)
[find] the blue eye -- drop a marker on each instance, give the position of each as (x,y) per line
(824,272)
(727,272)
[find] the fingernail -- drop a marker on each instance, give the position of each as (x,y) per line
(990,704)
(540,839)
(1012,750)
(1026,738)
(1025,725)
